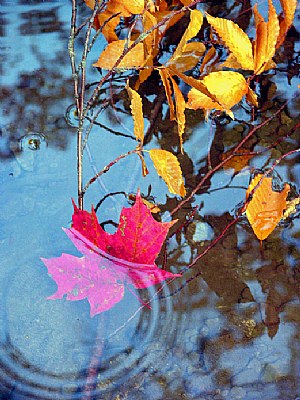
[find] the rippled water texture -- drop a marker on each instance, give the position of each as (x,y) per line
(230,333)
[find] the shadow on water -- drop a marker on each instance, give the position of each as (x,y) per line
(230,327)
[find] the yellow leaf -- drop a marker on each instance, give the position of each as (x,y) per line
(167,166)
(289,8)
(196,20)
(165,76)
(227,87)
(114,50)
(266,207)
(251,97)
(267,33)
(235,39)
(136,106)
(180,108)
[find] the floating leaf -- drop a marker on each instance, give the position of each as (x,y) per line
(136,106)
(110,262)
(114,50)
(167,166)
(266,207)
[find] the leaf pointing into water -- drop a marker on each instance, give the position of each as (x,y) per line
(110,262)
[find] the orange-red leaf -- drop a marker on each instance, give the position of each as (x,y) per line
(167,166)
(266,207)
(114,50)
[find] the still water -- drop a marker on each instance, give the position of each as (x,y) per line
(230,333)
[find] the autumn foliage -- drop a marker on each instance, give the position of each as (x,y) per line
(191,76)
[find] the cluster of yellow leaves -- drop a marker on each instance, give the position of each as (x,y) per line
(165,163)
(215,89)
(255,56)
(265,209)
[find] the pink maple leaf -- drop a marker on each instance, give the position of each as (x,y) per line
(110,261)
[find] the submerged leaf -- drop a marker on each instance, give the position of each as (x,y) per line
(266,207)
(167,166)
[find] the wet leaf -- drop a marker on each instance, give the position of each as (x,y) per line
(114,50)
(266,207)
(110,262)
(167,166)
(136,106)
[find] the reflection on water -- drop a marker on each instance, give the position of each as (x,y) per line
(229,329)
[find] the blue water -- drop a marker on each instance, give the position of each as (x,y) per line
(231,333)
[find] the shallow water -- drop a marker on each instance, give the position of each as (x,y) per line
(230,333)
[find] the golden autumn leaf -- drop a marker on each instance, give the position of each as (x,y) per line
(165,77)
(235,39)
(136,106)
(114,50)
(264,45)
(285,22)
(186,55)
(244,54)
(266,207)
(227,87)
(152,206)
(109,23)
(180,109)
(167,166)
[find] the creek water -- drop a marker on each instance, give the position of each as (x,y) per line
(228,329)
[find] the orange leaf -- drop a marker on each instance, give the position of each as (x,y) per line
(235,39)
(114,50)
(167,166)
(180,108)
(136,106)
(165,76)
(289,8)
(266,207)
(196,20)
(266,38)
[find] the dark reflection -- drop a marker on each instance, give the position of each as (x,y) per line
(39,21)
